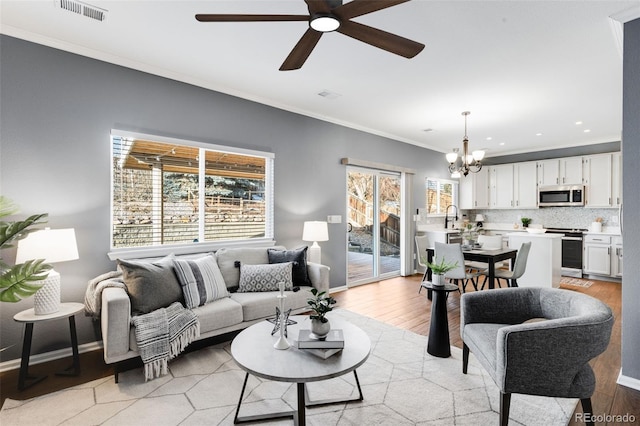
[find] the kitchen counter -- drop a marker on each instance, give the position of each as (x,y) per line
(529,234)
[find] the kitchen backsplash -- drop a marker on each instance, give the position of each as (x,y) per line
(550,217)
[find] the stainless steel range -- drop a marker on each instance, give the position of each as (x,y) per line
(571,250)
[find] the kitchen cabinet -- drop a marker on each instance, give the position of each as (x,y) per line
(597,180)
(525,193)
(597,254)
(616,179)
(616,257)
(560,171)
(474,190)
(501,186)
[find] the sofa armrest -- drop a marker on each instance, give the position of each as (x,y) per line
(115,320)
(319,275)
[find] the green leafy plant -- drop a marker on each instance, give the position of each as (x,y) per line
(19,281)
(470,232)
(320,304)
(525,221)
(442,267)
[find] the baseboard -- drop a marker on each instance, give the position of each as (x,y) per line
(337,289)
(50,356)
(629,382)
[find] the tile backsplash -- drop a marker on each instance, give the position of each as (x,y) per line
(551,217)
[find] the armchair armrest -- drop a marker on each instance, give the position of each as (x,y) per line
(115,320)
(319,275)
(504,306)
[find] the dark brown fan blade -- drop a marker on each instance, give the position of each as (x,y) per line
(362,7)
(250,18)
(381,39)
(318,6)
(301,51)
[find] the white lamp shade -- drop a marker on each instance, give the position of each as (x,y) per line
(52,245)
(315,231)
(456,175)
(452,157)
(479,218)
(478,155)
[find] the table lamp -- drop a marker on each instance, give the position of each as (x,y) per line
(315,231)
(52,245)
(479,220)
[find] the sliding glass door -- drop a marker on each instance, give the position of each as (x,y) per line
(373,215)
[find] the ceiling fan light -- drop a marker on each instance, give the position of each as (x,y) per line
(452,157)
(478,155)
(324,23)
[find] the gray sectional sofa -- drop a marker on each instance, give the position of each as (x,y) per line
(237,311)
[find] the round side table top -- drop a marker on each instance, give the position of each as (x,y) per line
(66,310)
(447,287)
(253,351)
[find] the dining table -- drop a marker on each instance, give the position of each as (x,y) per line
(488,256)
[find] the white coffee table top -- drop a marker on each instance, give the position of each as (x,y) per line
(253,351)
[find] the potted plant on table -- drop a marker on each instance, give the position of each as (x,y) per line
(320,304)
(525,221)
(438,269)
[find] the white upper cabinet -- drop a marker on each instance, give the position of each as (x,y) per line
(525,192)
(597,180)
(474,190)
(561,171)
(501,185)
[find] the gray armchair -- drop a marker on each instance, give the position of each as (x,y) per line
(548,357)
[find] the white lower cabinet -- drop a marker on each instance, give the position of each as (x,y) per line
(603,255)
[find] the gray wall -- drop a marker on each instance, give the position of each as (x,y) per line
(58,109)
(631,228)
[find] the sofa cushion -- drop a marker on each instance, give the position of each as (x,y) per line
(150,285)
(263,304)
(227,258)
(298,257)
(201,280)
(265,277)
(218,314)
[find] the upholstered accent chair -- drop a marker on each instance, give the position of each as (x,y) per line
(548,356)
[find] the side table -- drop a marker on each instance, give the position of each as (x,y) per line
(67,310)
(438,344)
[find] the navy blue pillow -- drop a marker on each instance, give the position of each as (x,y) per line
(300,276)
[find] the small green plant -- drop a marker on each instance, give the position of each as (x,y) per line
(525,221)
(320,304)
(442,267)
(17,282)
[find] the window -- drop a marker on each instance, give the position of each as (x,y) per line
(172,192)
(441,193)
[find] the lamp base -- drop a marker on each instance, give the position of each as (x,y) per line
(47,299)
(314,253)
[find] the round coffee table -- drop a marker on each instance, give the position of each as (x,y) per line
(253,351)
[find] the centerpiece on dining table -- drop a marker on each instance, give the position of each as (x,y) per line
(470,234)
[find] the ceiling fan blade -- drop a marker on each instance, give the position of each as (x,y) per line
(301,51)
(318,6)
(381,39)
(362,7)
(250,18)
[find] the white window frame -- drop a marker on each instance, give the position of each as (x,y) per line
(456,193)
(195,247)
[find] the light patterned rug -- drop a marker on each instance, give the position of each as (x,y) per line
(576,281)
(402,385)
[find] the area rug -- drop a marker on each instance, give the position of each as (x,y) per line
(576,282)
(402,385)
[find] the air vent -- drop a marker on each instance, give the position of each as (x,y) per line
(83,9)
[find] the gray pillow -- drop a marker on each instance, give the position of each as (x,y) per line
(201,280)
(255,278)
(299,259)
(151,285)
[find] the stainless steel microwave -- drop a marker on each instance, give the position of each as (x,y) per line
(561,196)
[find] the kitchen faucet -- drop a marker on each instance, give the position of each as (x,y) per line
(446,216)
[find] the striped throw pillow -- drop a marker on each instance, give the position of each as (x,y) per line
(201,280)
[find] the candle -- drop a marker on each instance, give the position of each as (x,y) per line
(281,285)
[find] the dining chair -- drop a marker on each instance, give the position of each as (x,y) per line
(422,243)
(519,268)
(488,242)
(452,253)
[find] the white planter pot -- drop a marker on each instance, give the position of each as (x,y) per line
(320,329)
(437,280)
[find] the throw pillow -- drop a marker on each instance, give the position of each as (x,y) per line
(151,285)
(201,280)
(265,277)
(298,256)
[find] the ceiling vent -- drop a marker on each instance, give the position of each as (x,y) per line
(83,9)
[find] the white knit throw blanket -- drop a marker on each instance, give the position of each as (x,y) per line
(93,294)
(162,335)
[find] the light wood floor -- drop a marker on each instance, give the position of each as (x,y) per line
(397,302)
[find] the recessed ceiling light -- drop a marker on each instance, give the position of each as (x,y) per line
(587,130)
(578,123)
(501,143)
(489,138)
(539,134)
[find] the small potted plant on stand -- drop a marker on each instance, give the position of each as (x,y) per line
(320,304)
(438,269)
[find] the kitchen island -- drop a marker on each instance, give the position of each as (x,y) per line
(544,264)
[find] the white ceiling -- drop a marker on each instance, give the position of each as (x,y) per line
(520,67)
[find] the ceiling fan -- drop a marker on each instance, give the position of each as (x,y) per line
(332,15)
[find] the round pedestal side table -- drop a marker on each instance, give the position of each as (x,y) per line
(438,344)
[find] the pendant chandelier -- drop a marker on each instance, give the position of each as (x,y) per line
(469,162)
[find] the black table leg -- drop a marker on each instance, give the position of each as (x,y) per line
(74,369)
(24,362)
(438,344)
(237,419)
(301,406)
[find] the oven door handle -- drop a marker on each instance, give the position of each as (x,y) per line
(572,238)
